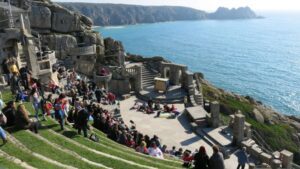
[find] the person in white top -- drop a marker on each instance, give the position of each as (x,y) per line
(155,151)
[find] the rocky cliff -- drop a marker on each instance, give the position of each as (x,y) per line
(120,14)
(234,13)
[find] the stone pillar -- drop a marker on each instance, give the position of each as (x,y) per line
(174,76)
(287,159)
(251,166)
(138,80)
(276,164)
(215,114)
(238,129)
(248,130)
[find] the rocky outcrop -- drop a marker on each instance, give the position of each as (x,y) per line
(120,14)
(258,116)
(239,13)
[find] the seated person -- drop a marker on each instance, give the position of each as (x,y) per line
(149,110)
(157,106)
(187,158)
(111,98)
(23,121)
(136,106)
(143,107)
(142,148)
(167,108)
(150,103)
(10,112)
(155,151)
(179,153)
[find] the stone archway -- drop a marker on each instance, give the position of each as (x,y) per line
(180,76)
(132,84)
(167,72)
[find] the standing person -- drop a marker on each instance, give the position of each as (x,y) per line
(201,159)
(59,114)
(82,120)
(24,76)
(6,71)
(216,161)
(14,84)
(242,158)
(36,102)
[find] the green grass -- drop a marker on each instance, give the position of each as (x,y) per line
(6,164)
(83,152)
(278,136)
(105,146)
(42,148)
(15,151)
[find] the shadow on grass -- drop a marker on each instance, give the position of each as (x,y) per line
(70,134)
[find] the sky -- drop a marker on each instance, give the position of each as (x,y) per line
(211,5)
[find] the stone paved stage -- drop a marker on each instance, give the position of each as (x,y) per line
(175,132)
(175,94)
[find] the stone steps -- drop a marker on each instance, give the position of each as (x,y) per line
(147,77)
(37,155)
(67,151)
(15,160)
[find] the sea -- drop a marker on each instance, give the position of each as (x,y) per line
(258,57)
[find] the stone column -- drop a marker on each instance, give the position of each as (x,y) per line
(215,114)
(251,166)
(238,129)
(248,130)
(276,164)
(138,80)
(287,159)
(174,76)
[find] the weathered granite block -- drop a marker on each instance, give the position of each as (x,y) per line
(40,17)
(287,159)
(266,158)
(275,164)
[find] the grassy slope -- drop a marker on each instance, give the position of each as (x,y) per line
(277,136)
(5,164)
(107,146)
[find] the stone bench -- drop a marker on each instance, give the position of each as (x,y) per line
(265,158)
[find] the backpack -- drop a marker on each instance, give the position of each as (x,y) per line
(94,137)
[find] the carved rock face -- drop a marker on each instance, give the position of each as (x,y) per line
(40,17)
(59,42)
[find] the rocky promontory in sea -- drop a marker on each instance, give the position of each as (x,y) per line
(121,14)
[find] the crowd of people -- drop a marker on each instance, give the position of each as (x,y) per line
(79,100)
(151,107)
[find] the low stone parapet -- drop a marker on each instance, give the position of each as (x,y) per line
(99,78)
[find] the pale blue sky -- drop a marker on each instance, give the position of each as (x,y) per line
(209,5)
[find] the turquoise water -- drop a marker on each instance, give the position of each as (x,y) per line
(259,58)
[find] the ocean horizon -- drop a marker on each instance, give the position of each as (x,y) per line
(257,57)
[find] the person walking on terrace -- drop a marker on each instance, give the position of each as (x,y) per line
(201,159)
(242,158)
(216,161)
